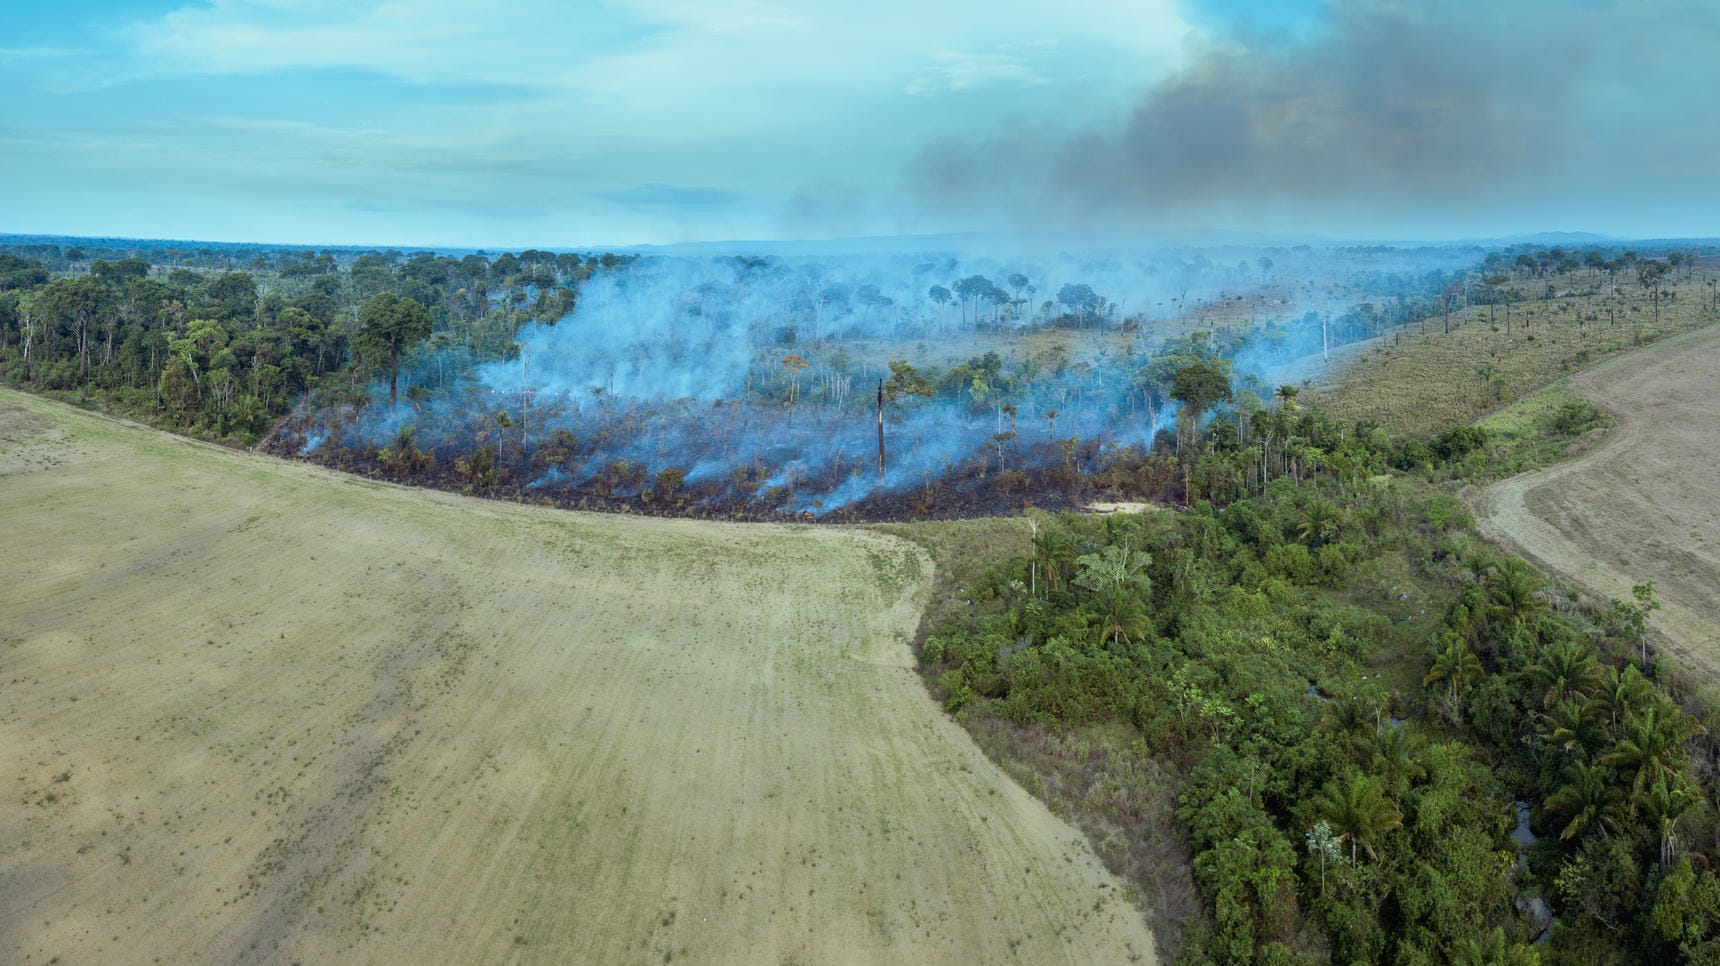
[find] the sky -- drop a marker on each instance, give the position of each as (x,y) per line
(583,123)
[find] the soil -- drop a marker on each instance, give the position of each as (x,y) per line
(1641,505)
(252,710)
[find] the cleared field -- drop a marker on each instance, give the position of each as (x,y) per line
(250,710)
(1641,505)
(1419,380)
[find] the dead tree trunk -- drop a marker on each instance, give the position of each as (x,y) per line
(880,429)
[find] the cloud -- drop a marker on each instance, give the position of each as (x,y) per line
(953,71)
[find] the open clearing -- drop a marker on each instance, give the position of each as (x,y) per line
(253,710)
(1641,505)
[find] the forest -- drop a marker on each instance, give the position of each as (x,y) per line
(738,387)
(1374,737)
(1311,713)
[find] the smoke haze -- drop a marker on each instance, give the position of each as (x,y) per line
(1389,118)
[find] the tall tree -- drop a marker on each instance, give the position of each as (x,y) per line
(1649,275)
(388,325)
(1358,811)
(905,380)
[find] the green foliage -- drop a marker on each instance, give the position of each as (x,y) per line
(1318,824)
(223,353)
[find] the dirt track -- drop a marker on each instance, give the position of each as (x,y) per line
(1643,504)
(251,710)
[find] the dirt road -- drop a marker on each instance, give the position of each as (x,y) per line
(1644,504)
(253,711)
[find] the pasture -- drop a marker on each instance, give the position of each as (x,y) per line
(1419,380)
(1640,506)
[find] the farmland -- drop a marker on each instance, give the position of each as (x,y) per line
(255,710)
(1422,379)
(1638,507)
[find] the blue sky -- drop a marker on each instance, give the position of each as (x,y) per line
(536,122)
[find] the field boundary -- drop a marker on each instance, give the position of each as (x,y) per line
(1503,515)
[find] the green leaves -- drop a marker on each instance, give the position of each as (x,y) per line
(1358,809)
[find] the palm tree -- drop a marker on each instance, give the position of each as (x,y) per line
(1513,592)
(1586,800)
(1358,811)
(1397,758)
(1457,666)
(1566,671)
(1054,549)
(1576,726)
(1652,747)
(1620,693)
(1319,521)
(1117,577)
(1353,721)
(1491,949)
(1479,560)
(404,455)
(503,422)
(1662,804)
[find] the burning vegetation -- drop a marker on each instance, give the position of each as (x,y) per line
(751,388)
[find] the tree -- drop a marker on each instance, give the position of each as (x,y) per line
(1080,299)
(795,364)
(940,297)
(1358,811)
(1586,800)
(1117,577)
(30,325)
(1323,843)
(1565,671)
(1652,746)
(1493,949)
(1199,385)
(75,302)
(904,380)
(1019,283)
(1649,275)
(387,325)
(1630,619)
(974,288)
(1457,666)
(1494,283)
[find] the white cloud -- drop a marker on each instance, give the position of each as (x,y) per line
(564,102)
(953,71)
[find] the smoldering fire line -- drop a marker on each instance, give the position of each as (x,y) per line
(749,383)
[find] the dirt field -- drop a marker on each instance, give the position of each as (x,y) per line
(1640,506)
(250,710)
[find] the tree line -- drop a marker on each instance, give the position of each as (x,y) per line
(221,352)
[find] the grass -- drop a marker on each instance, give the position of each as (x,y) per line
(263,711)
(1548,425)
(1418,384)
(1632,508)
(960,550)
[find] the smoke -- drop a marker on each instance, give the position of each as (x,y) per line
(752,381)
(1390,113)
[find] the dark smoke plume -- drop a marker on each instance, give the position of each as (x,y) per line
(1407,107)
